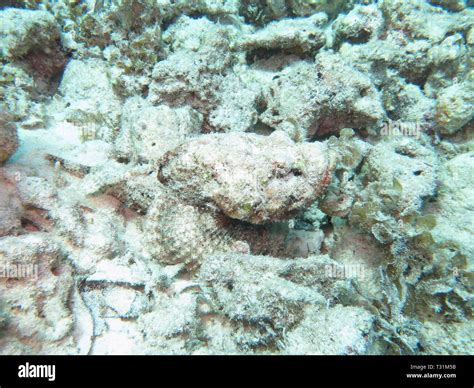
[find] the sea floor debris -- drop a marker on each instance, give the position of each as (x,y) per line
(236,177)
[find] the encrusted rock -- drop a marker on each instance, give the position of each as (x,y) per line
(200,53)
(452,5)
(359,25)
(400,174)
(35,288)
(339,330)
(89,99)
(315,99)
(417,17)
(238,104)
(266,293)
(261,12)
(455,106)
(456,200)
(8,137)
(236,176)
(148,131)
(299,36)
(23,31)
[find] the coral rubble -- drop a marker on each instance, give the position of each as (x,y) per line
(236,177)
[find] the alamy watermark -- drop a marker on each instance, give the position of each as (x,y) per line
(87,132)
(348,271)
(18,271)
(400,128)
(37,371)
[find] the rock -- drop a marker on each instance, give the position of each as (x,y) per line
(455,222)
(23,31)
(451,5)
(10,207)
(418,17)
(359,25)
(89,99)
(442,339)
(400,175)
(455,106)
(181,317)
(148,131)
(265,293)
(200,54)
(339,330)
(309,100)
(261,12)
(35,294)
(299,36)
(8,137)
(238,104)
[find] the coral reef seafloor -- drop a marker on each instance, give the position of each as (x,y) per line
(236,177)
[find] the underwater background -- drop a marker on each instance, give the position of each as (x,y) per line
(236,177)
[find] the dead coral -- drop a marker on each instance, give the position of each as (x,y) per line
(359,25)
(301,36)
(8,136)
(147,131)
(321,98)
(262,292)
(25,31)
(200,52)
(10,207)
(36,291)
